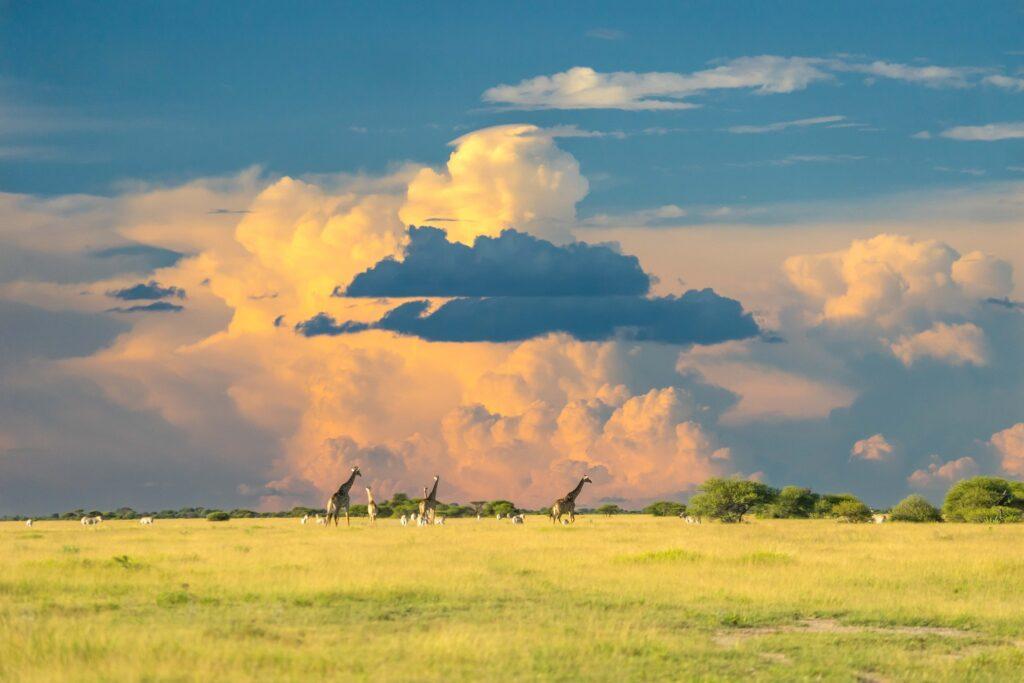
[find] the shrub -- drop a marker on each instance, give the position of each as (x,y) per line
(665,508)
(218,516)
(793,502)
(851,510)
(729,500)
(503,507)
(915,508)
(609,509)
(984,499)
(823,507)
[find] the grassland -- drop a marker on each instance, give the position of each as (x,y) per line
(620,598)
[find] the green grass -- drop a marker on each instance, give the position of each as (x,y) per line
(613,598)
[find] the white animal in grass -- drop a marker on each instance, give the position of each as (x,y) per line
(565,522)
(322,521)
(692,520)
(421,521)
(439,521)
(91,521)
(878,519)
(498,516)
(28,522)
(405,520)
(518,519)
(305,519)
(145,521)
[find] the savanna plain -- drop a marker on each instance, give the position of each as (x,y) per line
(627,597)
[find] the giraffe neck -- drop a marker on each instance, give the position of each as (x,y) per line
(343,489)
(576,491)
(433,491)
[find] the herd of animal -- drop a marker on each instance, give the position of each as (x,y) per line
(562,511)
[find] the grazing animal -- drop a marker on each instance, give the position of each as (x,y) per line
(321,520)
(518,519)
(478,518)
(371,507)
(428,506)
(340,500)
(439,521)
(565,522)
(567,505)
(421,521)
(304,520)
(498,516)
(878,519)
(28,522)
(405,520)
(692,520)
(145,521)
(91,521)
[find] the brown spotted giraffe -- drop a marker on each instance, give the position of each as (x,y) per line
(340,499)
(428,506)
(371,507)
(567,505)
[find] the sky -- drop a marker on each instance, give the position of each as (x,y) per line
(246,246)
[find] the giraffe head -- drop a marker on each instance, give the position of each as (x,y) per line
(587,479)
(356,472)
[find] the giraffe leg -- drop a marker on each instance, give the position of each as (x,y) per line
(347,522)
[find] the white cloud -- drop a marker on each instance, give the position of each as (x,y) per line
(943,474)
(872,448)
(783,125)
(606,34)
(1005,82)
(1009,444)
(929,75)
(954,344)
(991,132)
(582,87)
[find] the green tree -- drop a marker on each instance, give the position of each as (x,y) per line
(851,510)
(984,499)
(915,508)
(609,509)
(665,508)
(729,500)
(218,516)
(793,502)
(823,507)
(502,507)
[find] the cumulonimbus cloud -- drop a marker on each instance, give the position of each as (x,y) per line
(512,264)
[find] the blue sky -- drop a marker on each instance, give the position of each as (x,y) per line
(163,92)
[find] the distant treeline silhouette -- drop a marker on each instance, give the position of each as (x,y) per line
(978,499)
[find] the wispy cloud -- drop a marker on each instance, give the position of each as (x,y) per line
(792,159)
(606,34)
(583,87)
(988,133)
(783,125)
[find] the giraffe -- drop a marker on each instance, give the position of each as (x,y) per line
(567,505)
(340,499)
(428,506)
(371,507)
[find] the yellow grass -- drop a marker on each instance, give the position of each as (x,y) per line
(621,598)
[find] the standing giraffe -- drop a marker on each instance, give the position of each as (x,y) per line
(340,499)
(567,505)
(428,506)
(371,507)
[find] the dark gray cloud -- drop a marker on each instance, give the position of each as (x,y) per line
(697,317)
(139,257)
(512,264)
(146,291)
(155,307)
(32,332)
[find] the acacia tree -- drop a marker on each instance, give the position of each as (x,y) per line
(915,508)
(728,500)
(984,499)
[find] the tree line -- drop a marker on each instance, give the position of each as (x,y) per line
(978,499)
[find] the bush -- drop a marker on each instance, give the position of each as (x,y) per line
(218,516)
(502,507)
(609,509)
(915,508)
(825,505)
(729,500)
(851,511)
(793,502)
(984,499)
(665,508)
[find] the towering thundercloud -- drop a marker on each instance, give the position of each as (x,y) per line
(567,505)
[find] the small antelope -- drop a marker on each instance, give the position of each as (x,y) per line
(28,522)
(498,516)
(304,520)
(145,521)
(878,519)
(405,520)
(518,519)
